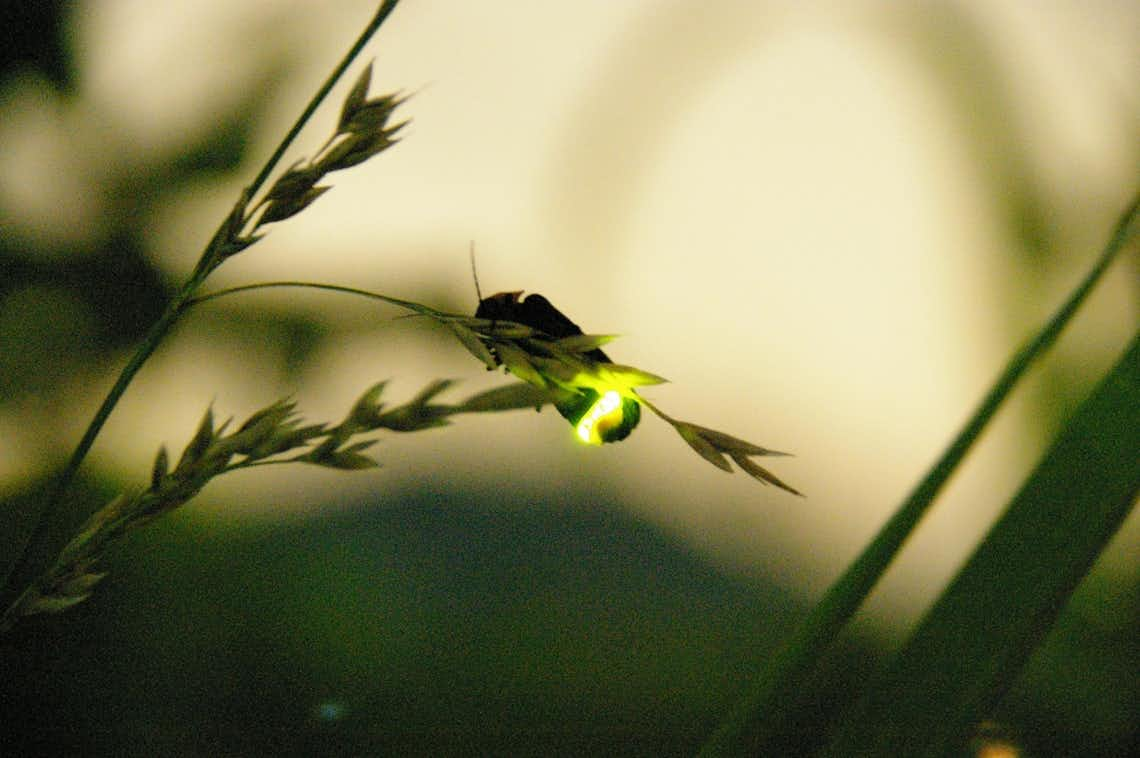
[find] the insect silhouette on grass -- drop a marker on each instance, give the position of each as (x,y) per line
(544,348)
(597,416)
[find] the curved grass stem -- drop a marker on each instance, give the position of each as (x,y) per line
(408,304)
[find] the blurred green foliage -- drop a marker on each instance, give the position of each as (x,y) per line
(434,623)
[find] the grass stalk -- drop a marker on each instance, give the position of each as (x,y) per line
(209,259)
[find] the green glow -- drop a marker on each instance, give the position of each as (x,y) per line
(603,414)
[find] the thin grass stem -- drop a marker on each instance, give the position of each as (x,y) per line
(408,304)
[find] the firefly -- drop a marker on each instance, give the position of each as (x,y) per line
(597,417)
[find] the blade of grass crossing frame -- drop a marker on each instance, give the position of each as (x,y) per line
(761,719)
(979,634)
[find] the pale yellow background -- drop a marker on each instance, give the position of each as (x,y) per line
(785,208)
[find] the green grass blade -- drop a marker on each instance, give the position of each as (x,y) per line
(980,632)
(757,724)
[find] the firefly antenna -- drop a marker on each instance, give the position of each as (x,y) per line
(474,273)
